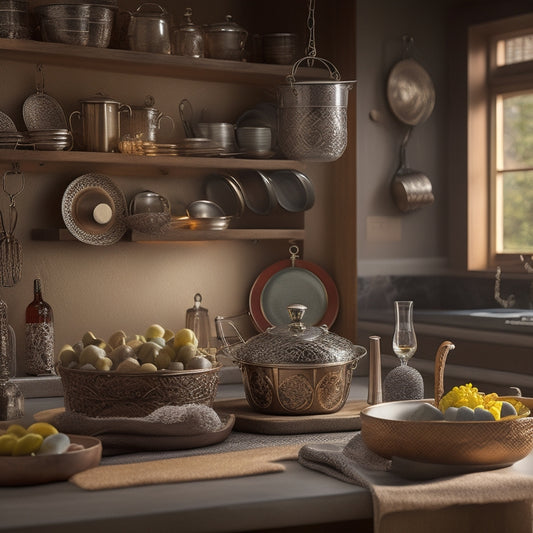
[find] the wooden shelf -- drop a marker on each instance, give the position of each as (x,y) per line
(148,64)
(63,234)
(32,161)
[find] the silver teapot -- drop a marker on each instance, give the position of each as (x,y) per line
(145,121)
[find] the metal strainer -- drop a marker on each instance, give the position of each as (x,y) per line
(10,247)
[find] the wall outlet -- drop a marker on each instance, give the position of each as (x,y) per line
(383,229)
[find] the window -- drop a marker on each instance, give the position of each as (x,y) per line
(500,142)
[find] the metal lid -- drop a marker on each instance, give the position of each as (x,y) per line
(229,25)
(297,343)
(99,99)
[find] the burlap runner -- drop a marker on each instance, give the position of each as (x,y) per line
(192,468)
(497,501)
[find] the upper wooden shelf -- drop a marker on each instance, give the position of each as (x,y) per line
(148,64)
(133,165)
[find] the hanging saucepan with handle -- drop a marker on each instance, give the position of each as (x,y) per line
(312,115)
(411,189)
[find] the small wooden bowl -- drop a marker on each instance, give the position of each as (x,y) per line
(37,469)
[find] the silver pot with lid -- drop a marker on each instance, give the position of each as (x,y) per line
(149,29)
(225,40)
(100,120)
(294,369)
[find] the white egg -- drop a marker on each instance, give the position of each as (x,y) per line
(54,444)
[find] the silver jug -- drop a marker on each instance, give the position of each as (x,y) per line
(148,29)
(100,123)
(145,121)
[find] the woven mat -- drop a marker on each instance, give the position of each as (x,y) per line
(192,468)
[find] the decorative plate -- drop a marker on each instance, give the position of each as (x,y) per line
(6,124)
(283,284)
(89,233)
(42,112)
(410,92)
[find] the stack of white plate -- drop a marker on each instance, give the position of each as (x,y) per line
(199,147)
(53,139)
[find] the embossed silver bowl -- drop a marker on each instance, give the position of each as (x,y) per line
(296,369)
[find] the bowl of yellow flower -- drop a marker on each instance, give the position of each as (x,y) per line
(463,427)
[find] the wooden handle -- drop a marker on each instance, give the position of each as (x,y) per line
(440,361)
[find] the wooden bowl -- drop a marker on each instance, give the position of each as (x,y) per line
(37,469)
(387,431)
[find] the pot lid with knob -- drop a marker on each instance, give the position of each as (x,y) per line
(297,343)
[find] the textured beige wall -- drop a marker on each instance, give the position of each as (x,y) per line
(131,285)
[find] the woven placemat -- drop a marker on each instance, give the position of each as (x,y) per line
(192,468)
(248,420)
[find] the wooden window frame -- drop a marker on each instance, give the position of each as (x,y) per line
(485,79)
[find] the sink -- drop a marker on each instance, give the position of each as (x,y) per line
(515,314)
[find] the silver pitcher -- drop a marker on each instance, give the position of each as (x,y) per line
(145,121)
(99,116)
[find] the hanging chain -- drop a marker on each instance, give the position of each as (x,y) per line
(311,45)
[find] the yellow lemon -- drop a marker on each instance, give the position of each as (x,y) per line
(155,330)
(28,444)
(185,336)
(42,428)
(17,430)
(7,443)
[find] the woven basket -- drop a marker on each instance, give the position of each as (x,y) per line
(387,431)
(106,394)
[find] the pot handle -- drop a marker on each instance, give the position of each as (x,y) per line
(333,72)
(161,8)
(161,117)
(220,321)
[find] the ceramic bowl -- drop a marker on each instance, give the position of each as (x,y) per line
(37,469)
(387,431)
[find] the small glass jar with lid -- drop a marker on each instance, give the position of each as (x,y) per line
(188,38)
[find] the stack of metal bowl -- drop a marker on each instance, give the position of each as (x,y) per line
(14,23)
(77,24)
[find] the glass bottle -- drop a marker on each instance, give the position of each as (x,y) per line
(404,340)
(11,398)
(188,37)
(39,334)
(197,319)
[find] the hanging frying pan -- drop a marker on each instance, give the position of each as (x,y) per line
(293,281)
(410,92)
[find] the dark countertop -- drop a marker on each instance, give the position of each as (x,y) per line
(295,497)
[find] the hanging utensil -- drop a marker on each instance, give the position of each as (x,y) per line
(410,90)
(411,189)
(10,248)
(187,118)
(411,97)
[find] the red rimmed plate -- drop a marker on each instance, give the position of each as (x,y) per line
(283,284)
